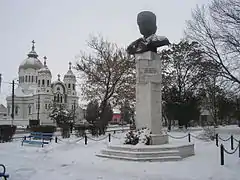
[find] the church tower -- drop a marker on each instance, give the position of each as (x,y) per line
(44,78)
(44,96)
(70,83)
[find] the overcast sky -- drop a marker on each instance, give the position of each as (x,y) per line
(61,28)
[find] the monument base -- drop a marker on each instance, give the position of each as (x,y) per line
(166,152)
(159,139)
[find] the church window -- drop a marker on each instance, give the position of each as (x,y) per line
(69,85)
(73,86)
(29,109)
(29,78)
(61,99)
(46,106)
(43,82)
(36,79)
(48,83)
(38,106)
(54,98)
(26,79)
(32,78)
(9,110)
(38,83)
(58,88)
(58,98)
(16,110)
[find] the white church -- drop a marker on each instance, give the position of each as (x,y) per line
(36,93)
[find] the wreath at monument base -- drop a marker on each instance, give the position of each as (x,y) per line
(139,136)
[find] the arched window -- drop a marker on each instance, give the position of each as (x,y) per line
(29,109)
(29,78)
(73,87)
(16,110)
(26,79)
(49,106)
(38,83)
(69,85)
(9,110)
(36,79)
(61,99)
(48,83)
(32,78)
(43,82)
(54,98)
(58,98)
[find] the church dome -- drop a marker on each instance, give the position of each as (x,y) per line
(32,60)
(69,74)
(44,69)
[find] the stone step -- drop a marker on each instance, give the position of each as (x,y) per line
(161,159)
(152,148)
(139,154)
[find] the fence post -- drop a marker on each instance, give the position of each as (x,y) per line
(85,139)
(222,154)
(109,137)
(56,139)
(189,137)
(232,142)
(217,139)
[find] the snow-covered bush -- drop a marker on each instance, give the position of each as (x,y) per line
(207,134)
(63,119)
(140,136)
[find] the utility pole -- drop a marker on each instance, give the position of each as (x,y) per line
(38,108)
(74,111)
(12,102)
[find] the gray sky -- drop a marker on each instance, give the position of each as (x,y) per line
(61,28)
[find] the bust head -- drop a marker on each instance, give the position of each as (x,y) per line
(146,21)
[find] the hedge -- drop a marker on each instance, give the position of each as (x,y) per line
(43,129)
(7,132)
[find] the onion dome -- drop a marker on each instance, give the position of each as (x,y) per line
(32,60)
(69,74)
(44,69)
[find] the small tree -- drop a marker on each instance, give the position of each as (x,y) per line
(126,112)
(92,115)
(105,118)
(107,74)
(63,118)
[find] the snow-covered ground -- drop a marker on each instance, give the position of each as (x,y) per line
(75,161)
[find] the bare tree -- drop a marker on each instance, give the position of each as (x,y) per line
(217,29)
(107,74)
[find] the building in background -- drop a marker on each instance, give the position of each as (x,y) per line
(36,93)
(3,113)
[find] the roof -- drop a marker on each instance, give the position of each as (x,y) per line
(3,108)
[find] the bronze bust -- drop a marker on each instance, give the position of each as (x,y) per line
(146,21)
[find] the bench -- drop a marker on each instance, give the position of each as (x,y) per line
(34,138)
(39,135)
(3,173)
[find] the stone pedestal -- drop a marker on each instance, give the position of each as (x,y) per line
(149,114)
(149,96)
